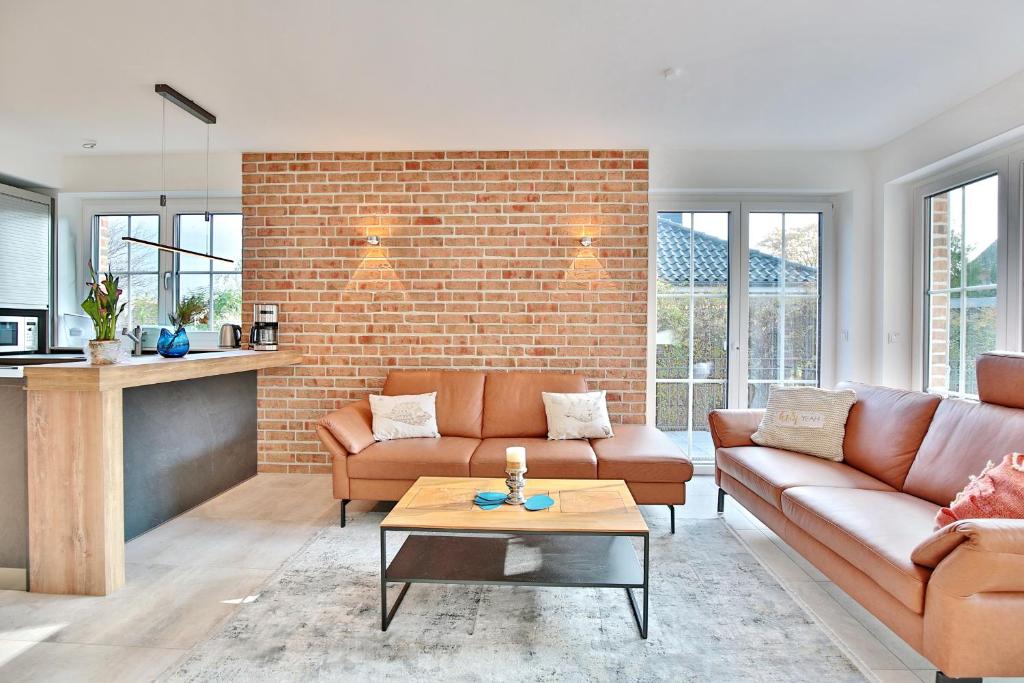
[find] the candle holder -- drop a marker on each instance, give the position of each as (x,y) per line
(515,480)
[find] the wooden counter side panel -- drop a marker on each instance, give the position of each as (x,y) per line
(76,535)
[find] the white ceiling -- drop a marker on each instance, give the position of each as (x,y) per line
(400,74)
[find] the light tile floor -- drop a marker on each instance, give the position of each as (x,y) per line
(188,576)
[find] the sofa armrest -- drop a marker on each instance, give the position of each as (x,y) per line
(351,427)
(975,556)
(733,427)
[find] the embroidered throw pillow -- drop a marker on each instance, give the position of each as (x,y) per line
(577,416)
(997,492)
(806,420)
(404,417)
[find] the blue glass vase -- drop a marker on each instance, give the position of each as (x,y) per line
(172,344)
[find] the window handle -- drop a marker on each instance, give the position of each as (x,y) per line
(167,280)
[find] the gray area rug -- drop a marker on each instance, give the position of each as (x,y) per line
(716,615)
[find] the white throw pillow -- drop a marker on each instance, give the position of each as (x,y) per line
(404,417)
(806,420)
(577,416)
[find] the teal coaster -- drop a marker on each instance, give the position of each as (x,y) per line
(534,503)
(494,496)
(489,506)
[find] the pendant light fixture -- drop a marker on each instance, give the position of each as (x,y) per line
(171,95)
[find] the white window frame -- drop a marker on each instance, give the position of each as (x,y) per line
(740,208)
(1007,166)
(122,205)
(177,272)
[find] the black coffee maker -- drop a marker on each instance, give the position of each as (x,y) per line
(263,335)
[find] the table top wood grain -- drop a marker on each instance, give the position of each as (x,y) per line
(581,506)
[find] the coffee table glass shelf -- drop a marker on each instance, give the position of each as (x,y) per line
(584,540)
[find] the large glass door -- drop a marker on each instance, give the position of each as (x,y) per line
(783,302)
(737,311)
(692,338)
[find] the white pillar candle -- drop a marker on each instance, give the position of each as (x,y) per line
(515,458)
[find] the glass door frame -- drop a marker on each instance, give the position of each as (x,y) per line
(739,230)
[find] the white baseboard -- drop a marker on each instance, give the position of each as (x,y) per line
(13,579)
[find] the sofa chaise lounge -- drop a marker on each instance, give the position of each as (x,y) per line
(955,595)
(479,414)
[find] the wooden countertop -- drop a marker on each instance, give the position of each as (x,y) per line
(154,369)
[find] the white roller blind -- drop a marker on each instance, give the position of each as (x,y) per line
(24,252)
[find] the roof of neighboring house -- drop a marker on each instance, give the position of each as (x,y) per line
(711,260)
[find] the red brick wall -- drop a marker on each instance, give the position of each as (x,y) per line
(479,267)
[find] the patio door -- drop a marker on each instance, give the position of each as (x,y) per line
(736,309)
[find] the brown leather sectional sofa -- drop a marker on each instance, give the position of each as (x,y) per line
(479,414)
(955,595)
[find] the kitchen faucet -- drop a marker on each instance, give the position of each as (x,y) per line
(136,336)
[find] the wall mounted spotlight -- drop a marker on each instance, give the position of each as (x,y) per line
(372,240)
(586,241)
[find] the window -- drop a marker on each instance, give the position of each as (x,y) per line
(137,265)
(212,281)
(737,309)
(962,283)
(154,281)
(784,302)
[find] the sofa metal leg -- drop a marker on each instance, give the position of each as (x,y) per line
(344,502)
(943,678)
(672,511)
(721,501)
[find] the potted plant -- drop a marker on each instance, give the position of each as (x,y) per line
(103,305)
(190,310)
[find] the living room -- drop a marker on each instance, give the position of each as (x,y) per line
(348,339)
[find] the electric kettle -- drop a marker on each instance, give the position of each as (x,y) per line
(230,336)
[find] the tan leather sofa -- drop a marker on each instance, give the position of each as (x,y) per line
(479,414)
(955,595)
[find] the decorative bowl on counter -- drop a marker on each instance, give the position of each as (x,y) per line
(172,344)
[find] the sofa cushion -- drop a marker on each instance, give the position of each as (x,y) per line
(770,471)
(447,456)
(544,459)
(875,530)
(460,397)
(513,405)
(641,453)
(885,428)
(963,437)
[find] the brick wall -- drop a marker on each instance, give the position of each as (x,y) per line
(938,360)
(479,267)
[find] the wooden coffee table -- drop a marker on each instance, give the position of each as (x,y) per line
(582,541)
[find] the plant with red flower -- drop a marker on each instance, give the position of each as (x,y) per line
(102,304)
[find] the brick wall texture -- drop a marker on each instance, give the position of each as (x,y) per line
(479,266)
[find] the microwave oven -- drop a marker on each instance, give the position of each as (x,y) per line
(21,334)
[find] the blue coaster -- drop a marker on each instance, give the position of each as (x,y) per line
(492,496)
(489,506)
(534,503)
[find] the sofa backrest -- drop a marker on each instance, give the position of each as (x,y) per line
(460,397)
(963,437)
(885,429)
(513,406)
(1001,379)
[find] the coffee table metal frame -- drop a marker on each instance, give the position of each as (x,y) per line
(407,579)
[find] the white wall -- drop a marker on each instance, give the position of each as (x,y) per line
(844,177)
(992,120)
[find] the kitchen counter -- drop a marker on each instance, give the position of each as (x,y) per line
(152,369)
(115,450)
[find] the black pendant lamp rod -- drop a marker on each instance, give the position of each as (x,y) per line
(174,97)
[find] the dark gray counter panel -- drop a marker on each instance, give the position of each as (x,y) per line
(185,442)
(13,477)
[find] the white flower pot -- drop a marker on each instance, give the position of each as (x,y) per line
(104,352)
